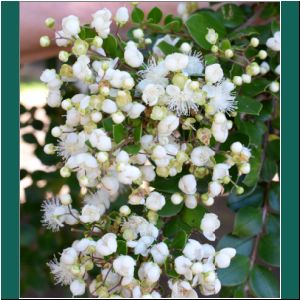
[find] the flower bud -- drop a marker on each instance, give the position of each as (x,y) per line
(50,22)
(104,90)
(128,235)
(63,56)
(197,268)
(214,49)
(44,41)
(83,180)
(122,16)
(118,117)
(179,80)
(190,201)
(254,42)
(274,87)
(102,156)
(138,33)
(211,36)
(97,41)
(148,41)
(77,287)
(65,199)
(239,190)
(56,131)
(128,83)
(185,48)
(245,168)
(176,198)
(207,201)
(237,80)
(253,69)
(246,78)
(49,149)
(262,54)
(65,172)
(125,210)
(96,116)
(152,216)
(236,147)
(229,53)
(66,104)
(80,47)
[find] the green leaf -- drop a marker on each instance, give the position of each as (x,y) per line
(239,292)
(254,198)
(122,247)
(225,44)
(252,178)
(193,217)
(175,25)
(169,269)
(273,224)
(137,132)
(167,185)
(167,48)
(170,209)
(29,138)
(274,197)
(270,10)
(155,15)
(110,46)
(235,137)
(231,15)
(263,283)
(248,105)
(137,15)
(269,169)
(132,149)
(197,26)
(179,240)
(172,227)
(273,149)
(248,222)
(236,273)
(236,70)
(269,249)
(87,33)
(243,246)
(108,124)
(275,27)
(210,59)
(247,32)
(256,87)
(118,133)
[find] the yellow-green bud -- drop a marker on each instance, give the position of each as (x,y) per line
(44,41)
(63,56)
(179,80)
(152,217)
(80,47)
(97,42)
(50,22)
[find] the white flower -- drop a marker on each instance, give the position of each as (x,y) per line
(211,288)
(166,38)
(220,128)
(109,106)
(149,272)
(77,287)
(274,42)
(236,147)
(277,70)
(201,156)
(81,69)
(195,65)
(122,16)
(166,126)
(153,73)
(224,256)
(221,97)
(155,201)
(220,171)
(148,173)
(215,188)
(110,184)
(107,245)
(245,168)
(209,224)
(62,39)
(48,75)
(151,94)
(53,214)
(213,73)
(182,289)
(54,98)
(133,57)
(188,184)
(182,101)
(83,244)
(117,77)
(124,266)
(100,140)
(138,33)
(176,62)
(160,252)
(211,36)
(129,174)
(193,250)
(112,278)
(91,213)
(183,267)
(69,256)
(61,272)
(101,22)
(73,117)
(71,25)
(264,68)
(135,110)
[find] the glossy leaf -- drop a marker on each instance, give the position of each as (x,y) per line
(248,105)
(269,249)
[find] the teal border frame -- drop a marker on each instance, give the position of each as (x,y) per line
(10,150)
(290,150)
(10,66)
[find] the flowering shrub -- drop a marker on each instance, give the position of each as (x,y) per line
(158,126)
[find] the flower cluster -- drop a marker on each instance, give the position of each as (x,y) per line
(138,117)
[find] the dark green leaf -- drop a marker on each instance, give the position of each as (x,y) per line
(243,246)
(236,273)
(87,33)
(263,283)
(108,124)
(231,15)
(179,240)
(174,25)
(273,224)
(225,44)
(236,70)
(167,185)
(273,149)
(269,249)
(274,197)
(137,133)
(155,15)
(193,217)
(167,48)
(235,137)
(137,15)
(248,105)
(170,209)
(110,46)
(122,247)
(251,179)
(197,26)
(174,225)
(210,59)
(248,222)
(118,133)
(269,169)
(132,149)
(257,86)
(270,10)
(275,27)
(247,32)
(239,292)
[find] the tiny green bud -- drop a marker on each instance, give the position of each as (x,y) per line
(179,80)
(44,41)
(65,172)
(97,42)
(49,149)
(254,42)
(229,53)
(262,54)
(63,56)
(50,22)
(214,49)
(239,190)
(80,47)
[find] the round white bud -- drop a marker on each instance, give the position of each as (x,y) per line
(118,117)
(214,49)
(49,149)
(97,42)
(246,78)
(254,42)
(274,87)
(77,287)
(66,104)
(125,210)
(65,172)
(63,56)
(96,116)
(65,199)
(262,54)
(197,268)
(56,131)
(237,80)
(245,168)
(176,198)
(138,33)
(44,41)
(236,147)
(229,53)
(148,41)
(83,180)
(102,156)
(104,90)
(185,48)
